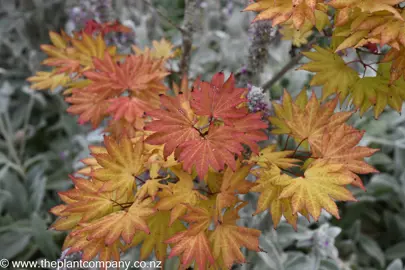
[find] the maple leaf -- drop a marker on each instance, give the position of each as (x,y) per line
(321,185)
(397,57)
(298,37)
(368,6)
(228,238)
(75,54)
(278,158)
(150,188)
(233,183)
(90,249)
(201,143)
(160,231)
(214,150)
(128,108)
(91,107)
(307,120)
(120,165)
(193,248)
(251,128)
(199,219)
(161,49)
(85,203)
(119,224)
(93,26)
(174,125)
(371,91)
(218,99)
(331,72)
(280,11)
(48,80)
(178,195)
(340,147)
(270,184)
(377,28)
(140,74)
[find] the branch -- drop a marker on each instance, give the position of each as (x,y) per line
(188,28)
(294,61)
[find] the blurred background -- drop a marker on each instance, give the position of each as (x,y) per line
(40,144)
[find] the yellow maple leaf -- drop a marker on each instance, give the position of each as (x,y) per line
(331,72)
(299,36)
(270,184)
(368,6)
(307,121)
(120,166)
(228,238)
(321,185)
(48,80)
(278,158)
(161,49)
(178,195)
(119,224)
(280,11)
(160,231)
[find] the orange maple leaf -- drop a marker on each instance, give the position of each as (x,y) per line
(118,224)
(174,125)
(92,248)
(191,248)
(228,238)
(218,99)
(141,75)
(90,106)
(340,147)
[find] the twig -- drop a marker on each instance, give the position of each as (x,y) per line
(188,27)
(294,61)
(164,16)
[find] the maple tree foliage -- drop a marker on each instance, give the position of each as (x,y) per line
(175,159)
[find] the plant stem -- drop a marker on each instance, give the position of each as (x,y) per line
(188,27)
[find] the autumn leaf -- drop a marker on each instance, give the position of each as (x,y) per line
(199,219)
(331,72)
(233,183)
(218,99)
(280,11)
(139,74)
(278,158)
(340,147)
(321,185)
(48,80)
(150,188)
(160,231)
(309,122)
(122,163)
(85,203)
(228,238)
(91,107)
(178,196)
(128,108)
(214,150)
(120,224)
(161,49)
(90,249)
(368,6)
(191,248)
(174,125)
(271,182)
